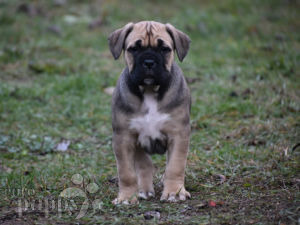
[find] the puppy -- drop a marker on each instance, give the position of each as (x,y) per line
(150,110)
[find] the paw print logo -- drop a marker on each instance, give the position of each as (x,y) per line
(73,192)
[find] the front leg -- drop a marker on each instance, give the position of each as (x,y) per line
(123,145)
(145,171)
(176,163)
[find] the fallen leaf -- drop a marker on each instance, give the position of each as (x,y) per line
(63,146)
(212,203)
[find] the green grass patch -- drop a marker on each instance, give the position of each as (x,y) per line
(243,72)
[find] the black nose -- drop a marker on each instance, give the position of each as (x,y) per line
(149,63)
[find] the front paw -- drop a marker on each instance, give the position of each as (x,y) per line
(125,199)
(146,194)
(174,193)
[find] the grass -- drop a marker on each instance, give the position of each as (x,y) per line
(243,72)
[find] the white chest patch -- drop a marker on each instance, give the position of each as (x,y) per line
(149,125)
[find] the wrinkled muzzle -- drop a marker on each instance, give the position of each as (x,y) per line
(148,68)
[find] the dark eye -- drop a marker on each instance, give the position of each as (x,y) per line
(133,49)
(137,46)
(165,49)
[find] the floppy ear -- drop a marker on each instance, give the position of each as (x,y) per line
(117,38)
(181,41)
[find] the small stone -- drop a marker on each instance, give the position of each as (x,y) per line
(151,214)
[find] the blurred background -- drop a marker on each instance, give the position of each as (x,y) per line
(243,72)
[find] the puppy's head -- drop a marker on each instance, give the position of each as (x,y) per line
(149,49)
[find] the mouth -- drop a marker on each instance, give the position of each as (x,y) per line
(154,88)
(149,81)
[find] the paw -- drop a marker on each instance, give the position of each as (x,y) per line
(171,195)
(125,200)
(146,194)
